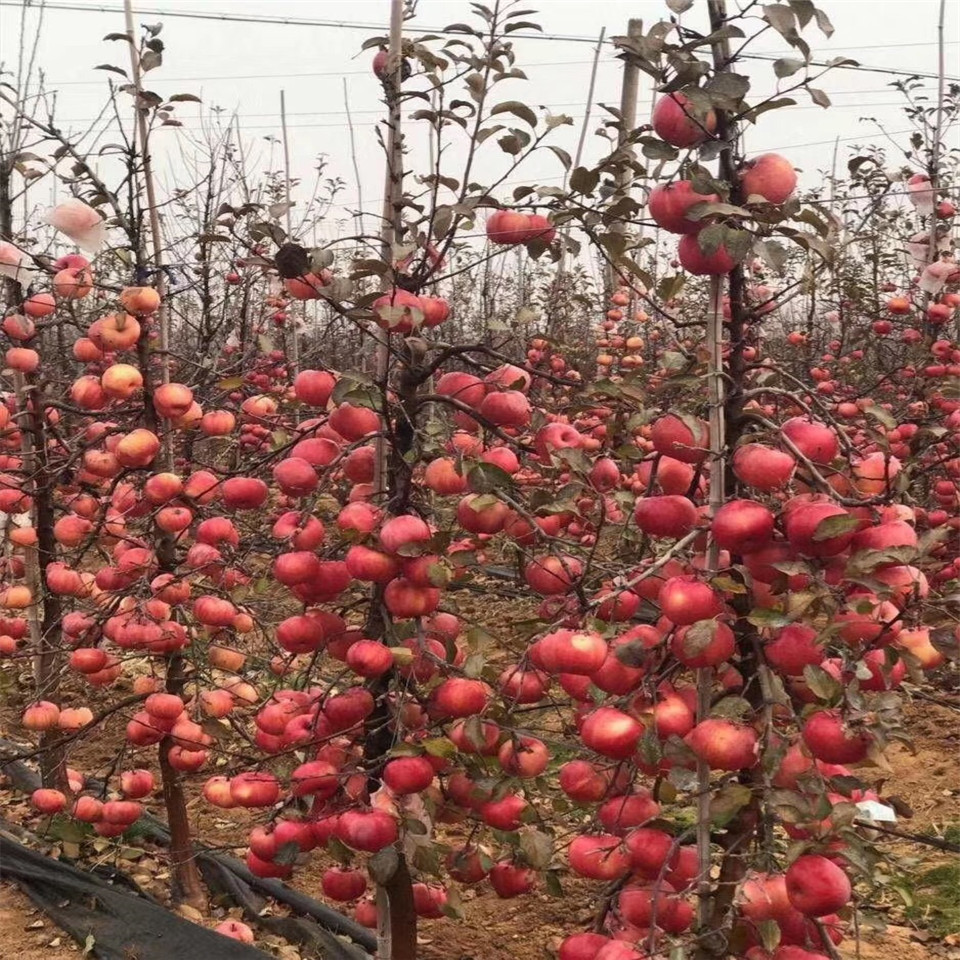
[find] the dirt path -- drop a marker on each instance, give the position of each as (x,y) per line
(526,928)
(26,934)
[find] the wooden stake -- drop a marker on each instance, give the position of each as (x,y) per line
(353,154)
(717,493)
(392,200)
(160,281)
(933,171)
(718,464)
(565,231)
(397,923)
(628,122)
(293,339)
(187,882)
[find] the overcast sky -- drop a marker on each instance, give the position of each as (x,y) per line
(244,66)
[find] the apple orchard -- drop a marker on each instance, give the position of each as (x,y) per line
(613,585)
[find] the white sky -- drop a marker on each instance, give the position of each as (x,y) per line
(244,66)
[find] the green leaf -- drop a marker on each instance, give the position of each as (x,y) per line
(781,18)
(473,665)
(655,149)
(426,859)
(769,931)
(439,747)
(67,829)
(818,97)
(763,617)
(670,287)
(288,853)
(522,25)
(474,83)
(537,847)
(453,905)
(111,69)
(700,211)
(767,106)
(728,585)
(487,477)
(518,109)
(838,526)
(786,67)
(772,253)
(383,864)
(804,9)
(737,243)
(583,180)
(821,683)
(561,155)
(727,89)
(552,882)
(184,98)
(698,637)
(733,708)
(150,60)
(823,22)
(473,731)
(725,804)
(510,144)
(710,239)
(679,6)
(673,361)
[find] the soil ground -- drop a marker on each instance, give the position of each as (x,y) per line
(529,928)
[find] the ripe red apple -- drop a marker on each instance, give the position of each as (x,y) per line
(343,884)
(649,850)
(405,775)
(816,886)
(504,814)
(769,176)
(815,440)
(611,733)
(507,227)
(136,784)
(552,575)
(685,600)
(724,744)
(682,124)
(819,529)
(685,439)
(568,651)
(509,880)
(254,789)
(235,930)
(598,857)
(523,757)
(793,648)
(48,801)
(506,408)
(314,387)
(706,643)
(742,526)
(620,814)
(665,516)
(366,830)
(694,260)
(583,781)
(670,203)
(828,739)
